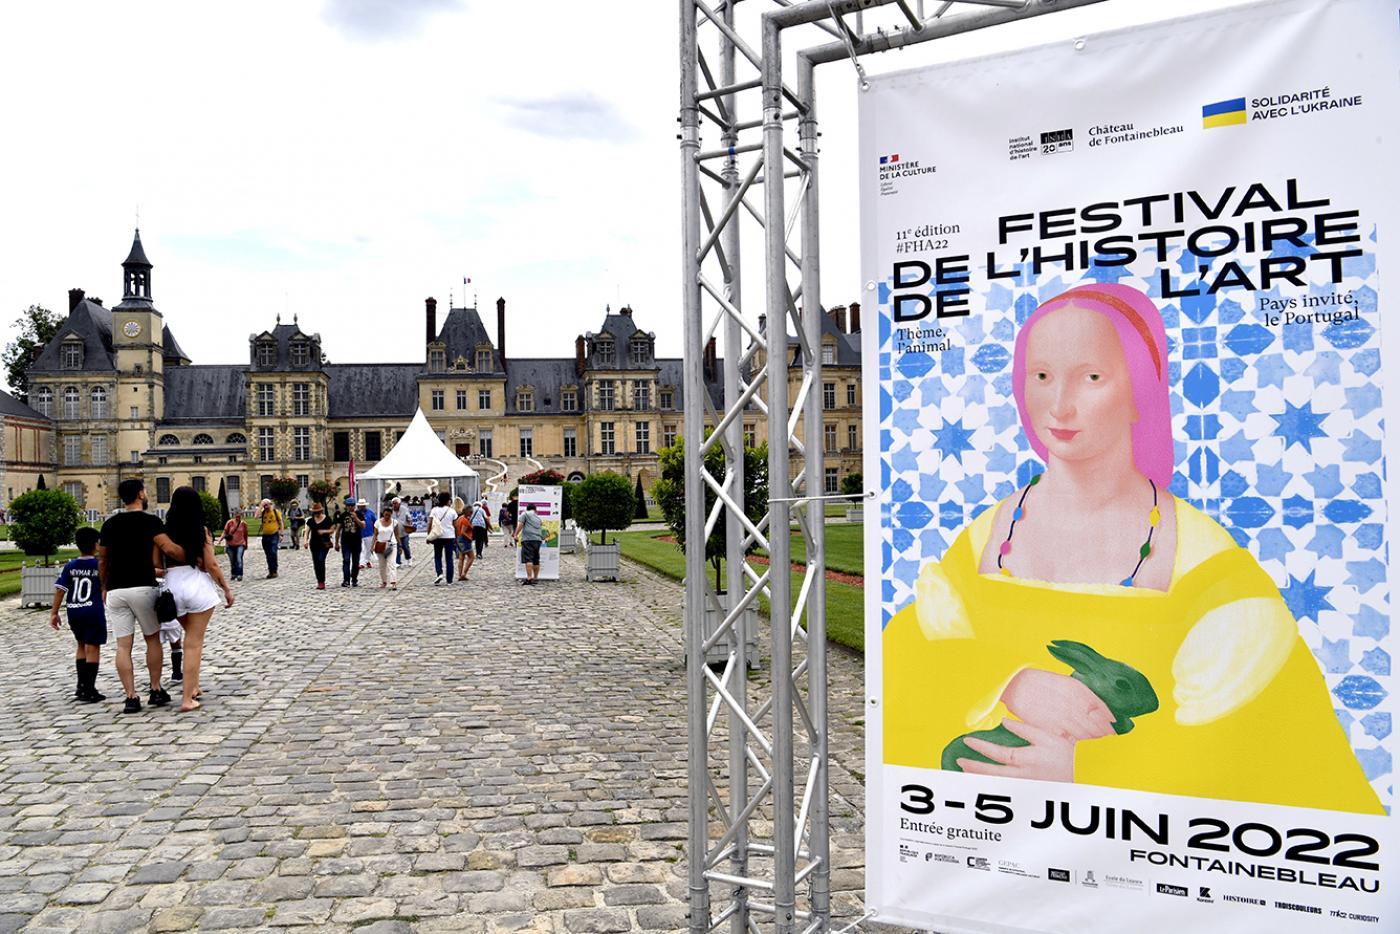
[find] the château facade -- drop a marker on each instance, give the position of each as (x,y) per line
(121,398)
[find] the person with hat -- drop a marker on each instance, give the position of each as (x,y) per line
(348,526)
(319,528)
(271,533)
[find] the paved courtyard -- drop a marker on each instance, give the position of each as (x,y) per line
(485,757)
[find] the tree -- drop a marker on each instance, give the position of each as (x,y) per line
(37,326)
(281,490)
(670,494)
(603,501)
(43,520)
(549,477)
(853,484)
(641,509)
(41,485)
(323,490)
(224,513)
(213,513)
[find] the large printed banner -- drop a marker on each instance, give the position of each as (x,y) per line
(1130,655)
(548,502)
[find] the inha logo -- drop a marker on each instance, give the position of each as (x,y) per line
(1224,113)
(890,159)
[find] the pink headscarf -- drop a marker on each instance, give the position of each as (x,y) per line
(1144,341)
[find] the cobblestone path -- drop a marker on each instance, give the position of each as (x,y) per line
(484,757)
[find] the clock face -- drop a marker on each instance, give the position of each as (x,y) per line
(131,328)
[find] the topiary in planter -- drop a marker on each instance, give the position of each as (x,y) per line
(603,501)
(43,520)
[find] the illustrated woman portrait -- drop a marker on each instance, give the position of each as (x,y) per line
(1093,628)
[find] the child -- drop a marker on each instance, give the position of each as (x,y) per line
(79,583)
(170,633)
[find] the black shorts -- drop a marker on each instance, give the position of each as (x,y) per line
(529,552)
(92,632)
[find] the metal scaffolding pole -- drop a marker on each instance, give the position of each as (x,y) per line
(759,840)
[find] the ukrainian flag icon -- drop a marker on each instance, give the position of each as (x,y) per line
(1224,113)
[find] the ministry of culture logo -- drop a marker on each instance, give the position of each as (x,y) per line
(890,159)
(1224,113)
(1057,141)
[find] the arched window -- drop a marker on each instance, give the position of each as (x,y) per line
(70,401)
(43,400)
(203,439)
(167,440)
(236,438)
(99,402)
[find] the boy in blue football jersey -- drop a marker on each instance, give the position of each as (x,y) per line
(79,583)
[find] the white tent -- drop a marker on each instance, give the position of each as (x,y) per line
(421,455)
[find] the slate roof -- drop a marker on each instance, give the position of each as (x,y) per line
(373,389)
(547,375)
(137,256)
(209,393)
(462,332)
(673,374)
(620,326)
(93,324)
(9,405)
(171,349)
(847,345)
(282,335)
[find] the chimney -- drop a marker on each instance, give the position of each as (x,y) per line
(579,347)
(855,318)
(432,319)
(711,361)
(75,298)
(838,317)
(501,331)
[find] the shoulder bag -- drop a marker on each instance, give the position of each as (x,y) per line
(165,604)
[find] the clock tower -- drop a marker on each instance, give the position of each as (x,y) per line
(138,339)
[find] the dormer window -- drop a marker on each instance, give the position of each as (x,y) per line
(266,353)
(525,400)
(71,355)
(301,353)
(603,349)
(639,351)
(483,360)
(828,354)
(437,360)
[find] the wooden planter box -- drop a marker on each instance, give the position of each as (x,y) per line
(746,626)
(602,561)
(36,584)
(855,514)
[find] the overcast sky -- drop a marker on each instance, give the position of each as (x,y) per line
(344,159)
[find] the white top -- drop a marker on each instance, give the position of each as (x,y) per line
(447,516)
(384,533)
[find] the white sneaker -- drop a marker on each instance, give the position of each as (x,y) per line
(438,581)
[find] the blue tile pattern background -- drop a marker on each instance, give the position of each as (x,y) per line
(1278,438)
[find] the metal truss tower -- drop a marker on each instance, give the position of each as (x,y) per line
(759,851)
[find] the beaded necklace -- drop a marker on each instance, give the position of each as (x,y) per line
(1153,518)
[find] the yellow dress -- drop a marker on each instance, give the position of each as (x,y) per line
(1245,714)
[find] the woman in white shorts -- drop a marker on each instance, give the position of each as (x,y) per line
(195,583)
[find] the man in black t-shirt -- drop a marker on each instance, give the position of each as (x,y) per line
(348,528)
(127,569)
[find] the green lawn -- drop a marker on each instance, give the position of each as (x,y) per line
(845,606)
(11,560)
